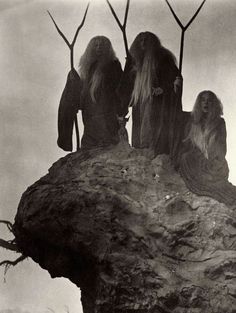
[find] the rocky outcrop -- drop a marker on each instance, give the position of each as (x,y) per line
(124,228)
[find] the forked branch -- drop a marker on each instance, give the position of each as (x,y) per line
(70,45)
(122,27)
(59,31)
(190,21)
(10,245)
(183,28)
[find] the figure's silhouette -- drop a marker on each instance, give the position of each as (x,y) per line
(94,91)
(151,85)
(202,159)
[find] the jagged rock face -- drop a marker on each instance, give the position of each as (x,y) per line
(123,227)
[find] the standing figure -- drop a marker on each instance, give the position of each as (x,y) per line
(152,86)
(202,160)
(95,92)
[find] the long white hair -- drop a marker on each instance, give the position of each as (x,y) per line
(201,126)
(146,51)
(89,58)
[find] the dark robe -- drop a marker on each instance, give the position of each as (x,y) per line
(99,118)
(68,109)
(208,176)
(155,124)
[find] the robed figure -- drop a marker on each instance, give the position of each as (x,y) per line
(94,92)
(152,86)
(202,162)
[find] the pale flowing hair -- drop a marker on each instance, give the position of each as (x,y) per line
(201,127)
(146,61)
(89,58)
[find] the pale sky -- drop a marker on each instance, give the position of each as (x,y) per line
(34,62)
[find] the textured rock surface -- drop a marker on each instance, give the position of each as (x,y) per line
(125,229)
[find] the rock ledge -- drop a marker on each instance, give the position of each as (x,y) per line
(124,228)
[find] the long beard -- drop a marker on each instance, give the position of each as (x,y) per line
(93,81)
(199,137)
(96,82)
(145,76)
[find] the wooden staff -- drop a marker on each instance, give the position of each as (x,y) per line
(122,27)
(71,47)
(183,28)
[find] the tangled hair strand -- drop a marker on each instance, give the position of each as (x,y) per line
(89,58)
(202,126)
(146,51)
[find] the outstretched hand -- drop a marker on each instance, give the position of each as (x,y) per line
(157,91)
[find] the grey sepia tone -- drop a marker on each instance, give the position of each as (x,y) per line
(34,64)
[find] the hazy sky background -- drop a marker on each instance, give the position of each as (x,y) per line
(34,62)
